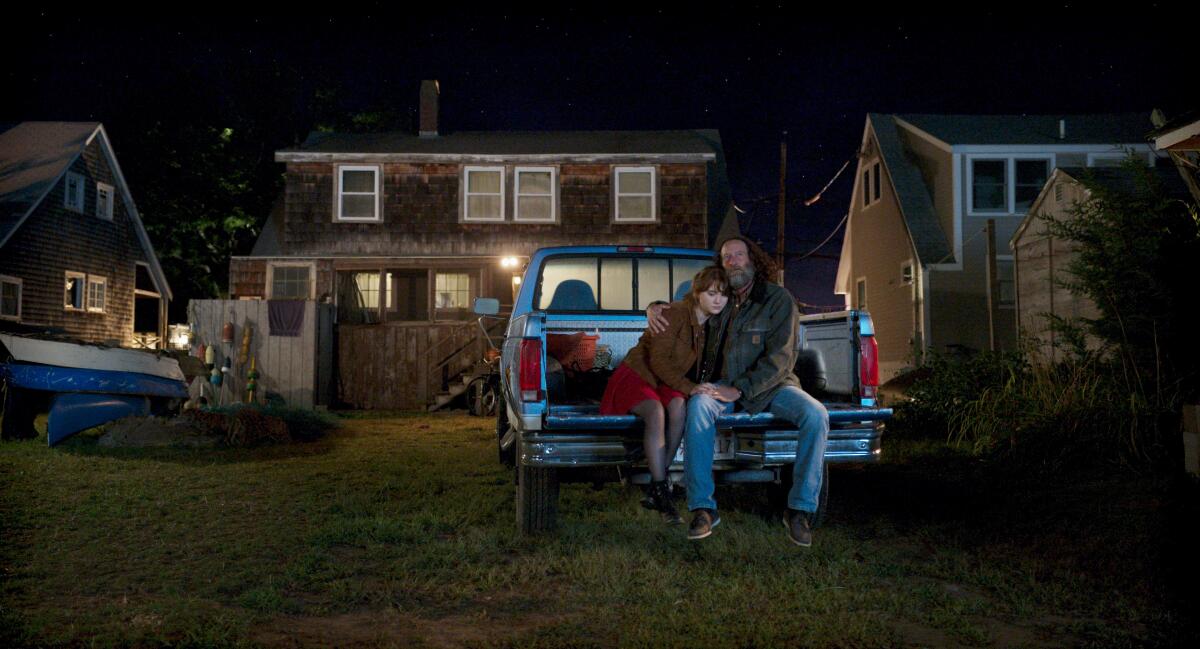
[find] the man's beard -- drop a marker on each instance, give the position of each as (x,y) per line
(740,279)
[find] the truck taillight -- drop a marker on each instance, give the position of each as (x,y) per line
(868,366)
(531,370)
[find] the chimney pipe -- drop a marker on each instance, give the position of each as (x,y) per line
(1062,129)
(428,126)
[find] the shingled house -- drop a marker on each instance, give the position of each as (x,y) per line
(74,257)
(914,252)
(403,230)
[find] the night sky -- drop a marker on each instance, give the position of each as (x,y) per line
(752,76)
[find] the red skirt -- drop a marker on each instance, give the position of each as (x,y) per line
(626,388)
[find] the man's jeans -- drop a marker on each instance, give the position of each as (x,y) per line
(790,403)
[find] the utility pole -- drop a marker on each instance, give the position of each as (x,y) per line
(993,283)
(779,235)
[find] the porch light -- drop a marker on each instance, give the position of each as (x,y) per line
(509,262)
(516,280)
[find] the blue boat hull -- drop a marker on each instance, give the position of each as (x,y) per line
(85,398)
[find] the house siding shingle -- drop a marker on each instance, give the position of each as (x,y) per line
(54,240)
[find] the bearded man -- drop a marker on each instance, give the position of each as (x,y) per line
(751,347)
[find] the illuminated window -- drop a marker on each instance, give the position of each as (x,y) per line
(634,191)
(95,293)
(484,194)
(534,194)
(358,193)
(452,291)
(73,295)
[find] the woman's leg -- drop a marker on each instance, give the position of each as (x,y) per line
(651,412)
(676,414)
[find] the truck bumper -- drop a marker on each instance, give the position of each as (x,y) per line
(751,449)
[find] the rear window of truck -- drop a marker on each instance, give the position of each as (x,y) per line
(604,283)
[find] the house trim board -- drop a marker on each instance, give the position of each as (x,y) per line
(516,158)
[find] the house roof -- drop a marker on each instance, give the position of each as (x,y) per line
(33,156)
(1117,128)
(691,143)
(916,202)
(1116,178)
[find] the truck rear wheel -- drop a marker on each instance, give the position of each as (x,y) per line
(537,499)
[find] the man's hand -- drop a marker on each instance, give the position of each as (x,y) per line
(727,393)
(656,322)
(704,388)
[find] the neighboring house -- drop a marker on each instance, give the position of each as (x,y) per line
(914,252)
(1180,138)
(74,257)
(404,228)
(1041,261)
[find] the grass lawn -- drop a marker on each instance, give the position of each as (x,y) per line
(400,531)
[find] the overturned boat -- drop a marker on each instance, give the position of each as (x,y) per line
(82,384)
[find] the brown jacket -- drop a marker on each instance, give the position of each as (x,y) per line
(669,356)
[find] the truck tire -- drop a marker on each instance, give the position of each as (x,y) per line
(537,499)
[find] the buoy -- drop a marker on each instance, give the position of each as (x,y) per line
(210,356)
(227,333)
(215,379)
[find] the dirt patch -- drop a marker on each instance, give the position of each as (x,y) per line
(486,619)
(146,432)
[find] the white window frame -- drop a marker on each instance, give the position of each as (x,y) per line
(8,279)
(73,203)
(338,193)
(104,209)
(871,174)
(270,279)
(860,298)
(87,293)
(617,194)
(1010,180)
(82,295)
(553,194)
(467,194)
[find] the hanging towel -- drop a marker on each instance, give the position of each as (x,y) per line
(286,317)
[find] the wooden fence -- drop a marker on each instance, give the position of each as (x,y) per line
(401,365)
(297,368)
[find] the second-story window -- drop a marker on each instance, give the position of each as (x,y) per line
(358,191)
(483,196)
(1031,177)
(104,201)
(989,181)
(535,188)
(73,191)
(635,195)
(96,288)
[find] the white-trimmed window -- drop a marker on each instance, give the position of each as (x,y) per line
(358,192)
(870,183)
(860,293)
(10,298)
(535,189)
(483,194)
(73,191)
(96,288)
(452,291)
(906,273)
(635,195)
(290,281)
(74,291)
(104,201)
(1006,185)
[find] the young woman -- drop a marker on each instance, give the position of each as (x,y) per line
(660,372)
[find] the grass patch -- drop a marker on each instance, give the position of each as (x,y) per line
(399,531)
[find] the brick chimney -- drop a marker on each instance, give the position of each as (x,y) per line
(429,109)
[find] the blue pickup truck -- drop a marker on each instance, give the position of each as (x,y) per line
(549,427)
